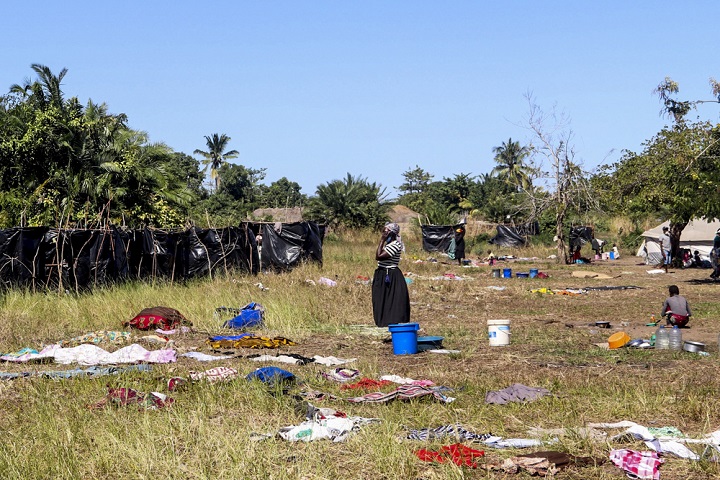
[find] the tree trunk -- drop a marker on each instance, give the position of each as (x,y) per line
(676,230)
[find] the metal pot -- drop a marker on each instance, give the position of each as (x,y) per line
(693,347)
(602,324)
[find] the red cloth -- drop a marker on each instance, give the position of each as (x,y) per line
(127,396)
(458,453)
(679,320)
(366,384)
(157,317)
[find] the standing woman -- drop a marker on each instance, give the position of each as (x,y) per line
(460,243)
(390,298)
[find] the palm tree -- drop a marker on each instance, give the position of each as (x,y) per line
(216,154)
(46,90)
(510,158)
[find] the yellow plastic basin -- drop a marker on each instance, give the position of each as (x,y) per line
(617,340)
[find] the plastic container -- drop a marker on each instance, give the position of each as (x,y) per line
(522,275)
(533,272)
(496,273)
(507,272)
(404,338)
(662,338)
(612,255)
(617,340)
(675,339)
(498,332)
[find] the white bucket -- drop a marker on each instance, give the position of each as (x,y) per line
(499,332)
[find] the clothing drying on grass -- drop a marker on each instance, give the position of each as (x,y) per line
(515,393)
(390,297)
(122,397)
(247,341)
(403,392)
(158,317)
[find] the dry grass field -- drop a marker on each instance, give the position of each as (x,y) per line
(48,431)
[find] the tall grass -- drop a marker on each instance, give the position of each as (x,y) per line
(50,433)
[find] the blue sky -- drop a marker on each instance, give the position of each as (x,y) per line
(311,90)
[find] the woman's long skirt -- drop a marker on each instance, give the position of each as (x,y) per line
(390,297)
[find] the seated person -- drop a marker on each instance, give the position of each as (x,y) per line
(696,260)
(616,252)
(686,258)
(676,308)
(491,258)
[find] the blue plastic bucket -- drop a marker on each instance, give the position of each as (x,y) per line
(612,255)
(533,272)
(404,338)
(507,272)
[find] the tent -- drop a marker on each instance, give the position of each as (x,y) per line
(514,235)
(698,235)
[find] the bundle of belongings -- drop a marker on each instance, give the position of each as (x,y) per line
(158,317)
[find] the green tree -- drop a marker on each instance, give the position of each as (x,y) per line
(352,202)
(510,157)
(414,188)
(216,156)
(242,183)
(283,193)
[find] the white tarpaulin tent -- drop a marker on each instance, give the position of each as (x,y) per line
(697,235)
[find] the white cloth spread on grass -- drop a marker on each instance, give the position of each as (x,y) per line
(659,444)
(277,358)
(204,357)
(332,361)
(87,354)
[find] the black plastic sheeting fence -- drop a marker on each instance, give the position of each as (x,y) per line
(437,238)
(580,235)
(514,235)
(74,259)
(285,245)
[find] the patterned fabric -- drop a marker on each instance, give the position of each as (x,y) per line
(454,431)
(366,384)
(97,337)
(121,397)
(642,464)
(158,317)
(394,249)
(215,375)
(250,341)
(341,375)
(458,453)
(403,392)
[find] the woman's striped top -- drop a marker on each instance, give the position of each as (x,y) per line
(394,248)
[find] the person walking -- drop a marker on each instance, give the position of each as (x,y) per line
(390,297)
(714,255)
(665,247)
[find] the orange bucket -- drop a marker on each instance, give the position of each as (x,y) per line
(617,340)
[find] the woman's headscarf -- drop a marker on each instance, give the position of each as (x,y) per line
(395,229)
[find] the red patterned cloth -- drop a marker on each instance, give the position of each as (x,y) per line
(127,396)
(157,317)
(457,453)
(641,464)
